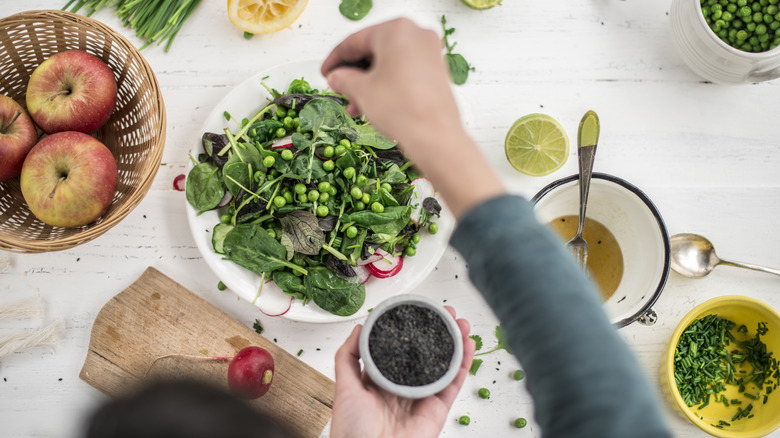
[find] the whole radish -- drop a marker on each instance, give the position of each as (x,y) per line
(251,372)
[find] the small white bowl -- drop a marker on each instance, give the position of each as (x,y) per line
(639,229)
(413,392)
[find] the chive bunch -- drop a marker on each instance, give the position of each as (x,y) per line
(709,356)
(153,20)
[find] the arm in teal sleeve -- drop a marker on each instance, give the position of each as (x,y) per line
(582,377)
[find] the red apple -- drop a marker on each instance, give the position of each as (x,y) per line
(71,91)
(17,137)
(69,179)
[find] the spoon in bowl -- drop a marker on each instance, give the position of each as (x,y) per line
(587,139)
(694,256)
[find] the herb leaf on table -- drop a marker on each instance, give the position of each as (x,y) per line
(355,9)
(459,67)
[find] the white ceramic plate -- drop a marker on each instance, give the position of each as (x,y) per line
(245,100)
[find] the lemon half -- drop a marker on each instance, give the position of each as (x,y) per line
(264,16)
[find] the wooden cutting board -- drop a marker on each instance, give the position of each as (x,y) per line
(156,316)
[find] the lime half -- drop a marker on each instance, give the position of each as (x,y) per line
(481,4)
(536,145)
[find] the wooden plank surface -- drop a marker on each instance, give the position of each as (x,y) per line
(156,316)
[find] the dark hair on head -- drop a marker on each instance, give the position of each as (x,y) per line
(182,409)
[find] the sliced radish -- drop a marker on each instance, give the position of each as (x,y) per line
(388,266)
(272,301)
(422,189)
(362,274)
(281,143)
(179,182)
(225,199)
(369,260)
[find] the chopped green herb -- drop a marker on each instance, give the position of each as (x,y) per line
(248,35)
(258,328)
(475,364)
(300,352)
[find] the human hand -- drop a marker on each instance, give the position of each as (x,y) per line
(363,410)
(406,95)
(406,90)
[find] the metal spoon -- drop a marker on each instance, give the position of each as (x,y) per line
(587,139)
(694,256)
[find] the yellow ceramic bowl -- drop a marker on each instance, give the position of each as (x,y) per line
(740,310)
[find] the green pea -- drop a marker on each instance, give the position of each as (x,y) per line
(288,196)
(328,151)
(287,155)
(742,35)
(287,122)
(387,187)
(231,210)
(741,3)
(324,196)
(281,132)
(356,193)
(279,201)
(292,113)
(271,233)
(329,165)
(221,286)
(349,172)
(258,176)
(269,161)
(332,191)
(302,198)
(324,186)
(300,188)
(433,228)
(745,11)
(483,393)
(297,122)
(409,250)
(360,206)
(313,195)
(346,143)
(464,420)
(376,207)
(322,210)
(727,16)
(361,180)
(751,27)
(415,238)
(225,218)
(731,7)
(716,15)
(273,173)
(340,150)
(352,232)
(518,375)
(760,29)
(366,198)
(281,111)
(520,423)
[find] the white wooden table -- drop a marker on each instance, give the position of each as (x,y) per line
(708,156)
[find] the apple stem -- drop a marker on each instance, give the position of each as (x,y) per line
(63,92)
(189,356)
(16,116)
(62,178)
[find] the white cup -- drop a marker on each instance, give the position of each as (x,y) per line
(712,58)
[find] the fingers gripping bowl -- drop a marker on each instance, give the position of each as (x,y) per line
(638,229)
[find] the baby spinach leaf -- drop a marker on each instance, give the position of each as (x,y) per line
(204,187)
(236,174)
(213,144)
(349,159)
(250,246)
(355,9)
(322,114)
(368,136)
(387,198)
(300,141)
(290,284)
(248,153)
(390,221)
(333,293)
(264,130)
(390,156)
(218,237)
(394,174)
(299,86)
(304,231)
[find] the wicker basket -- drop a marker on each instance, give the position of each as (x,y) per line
(135,133)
